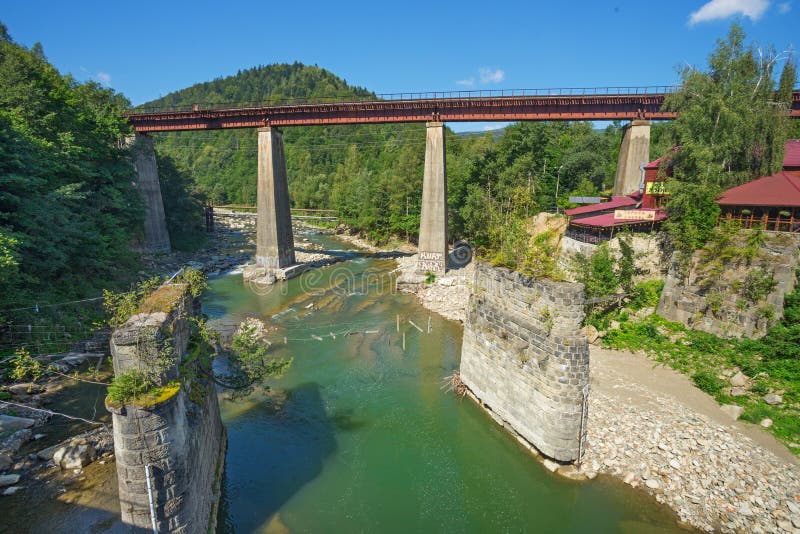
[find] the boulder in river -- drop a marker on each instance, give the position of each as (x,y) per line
(12,443)
(77,454)
(11,423)
(25,388)
(8,480)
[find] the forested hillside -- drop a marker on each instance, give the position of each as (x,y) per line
(70,216)
(68,210)
(372,175)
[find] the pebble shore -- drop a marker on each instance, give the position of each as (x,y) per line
(712,476)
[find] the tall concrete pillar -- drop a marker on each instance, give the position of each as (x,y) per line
(156,237)
(634,151)
(274,240)
(433,221)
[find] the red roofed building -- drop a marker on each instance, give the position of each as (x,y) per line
(616,202)
(599,222)
(791,157)
(769,202)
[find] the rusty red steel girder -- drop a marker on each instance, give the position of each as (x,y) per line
(457,109)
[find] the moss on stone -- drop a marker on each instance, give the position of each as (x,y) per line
(164,299)
(153,397)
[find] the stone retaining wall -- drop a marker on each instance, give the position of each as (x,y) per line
(525,359)
(182,438)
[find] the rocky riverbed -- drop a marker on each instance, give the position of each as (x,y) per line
(649,426)
(445,294)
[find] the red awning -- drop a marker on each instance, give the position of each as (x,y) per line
(614,203)
(607,220)
(781,190)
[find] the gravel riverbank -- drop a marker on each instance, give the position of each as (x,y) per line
(650,427)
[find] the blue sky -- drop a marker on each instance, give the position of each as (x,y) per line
(147,49)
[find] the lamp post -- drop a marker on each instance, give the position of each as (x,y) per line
(558,181)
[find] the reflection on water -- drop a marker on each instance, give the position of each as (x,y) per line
(360,437)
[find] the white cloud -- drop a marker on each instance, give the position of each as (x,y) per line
(491,75)
(722,9)
(468,82)
(784,8)
(103,77)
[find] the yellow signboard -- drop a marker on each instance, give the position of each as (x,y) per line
(634,215)
(656,188)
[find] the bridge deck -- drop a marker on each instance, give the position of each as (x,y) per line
(448,107)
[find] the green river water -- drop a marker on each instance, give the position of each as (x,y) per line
(360,437)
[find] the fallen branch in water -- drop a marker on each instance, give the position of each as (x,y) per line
(455,384)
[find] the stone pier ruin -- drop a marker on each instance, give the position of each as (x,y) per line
(179,436)
(525,359)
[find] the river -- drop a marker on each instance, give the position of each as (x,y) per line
(359,436)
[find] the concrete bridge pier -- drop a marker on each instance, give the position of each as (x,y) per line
(156,237)
(433,220)
(634,151)
(274,240)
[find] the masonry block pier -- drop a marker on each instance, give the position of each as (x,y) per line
(156,237)
(634,151)
(525,359)
(177,438)
(433,220)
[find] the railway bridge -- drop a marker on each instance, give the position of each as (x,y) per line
(275,244)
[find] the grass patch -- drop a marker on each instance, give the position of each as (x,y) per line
(163,299)
(133,387)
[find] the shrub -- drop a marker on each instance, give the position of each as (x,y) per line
(626,265)
(766,311)
(758,284)
(120,306)
(25,367)
(708,382)
(646,294)
(714,302)
(755,240)
(597,272)
(194,278)
(128,385)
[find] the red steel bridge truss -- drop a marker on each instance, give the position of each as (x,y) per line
(612,103)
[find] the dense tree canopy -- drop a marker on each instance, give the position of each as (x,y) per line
(732,128)
(68,209)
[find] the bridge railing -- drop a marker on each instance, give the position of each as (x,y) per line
(419,96)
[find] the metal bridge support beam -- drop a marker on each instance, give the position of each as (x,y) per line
(634,151)
(433,221)
(156,237)
(274,240)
